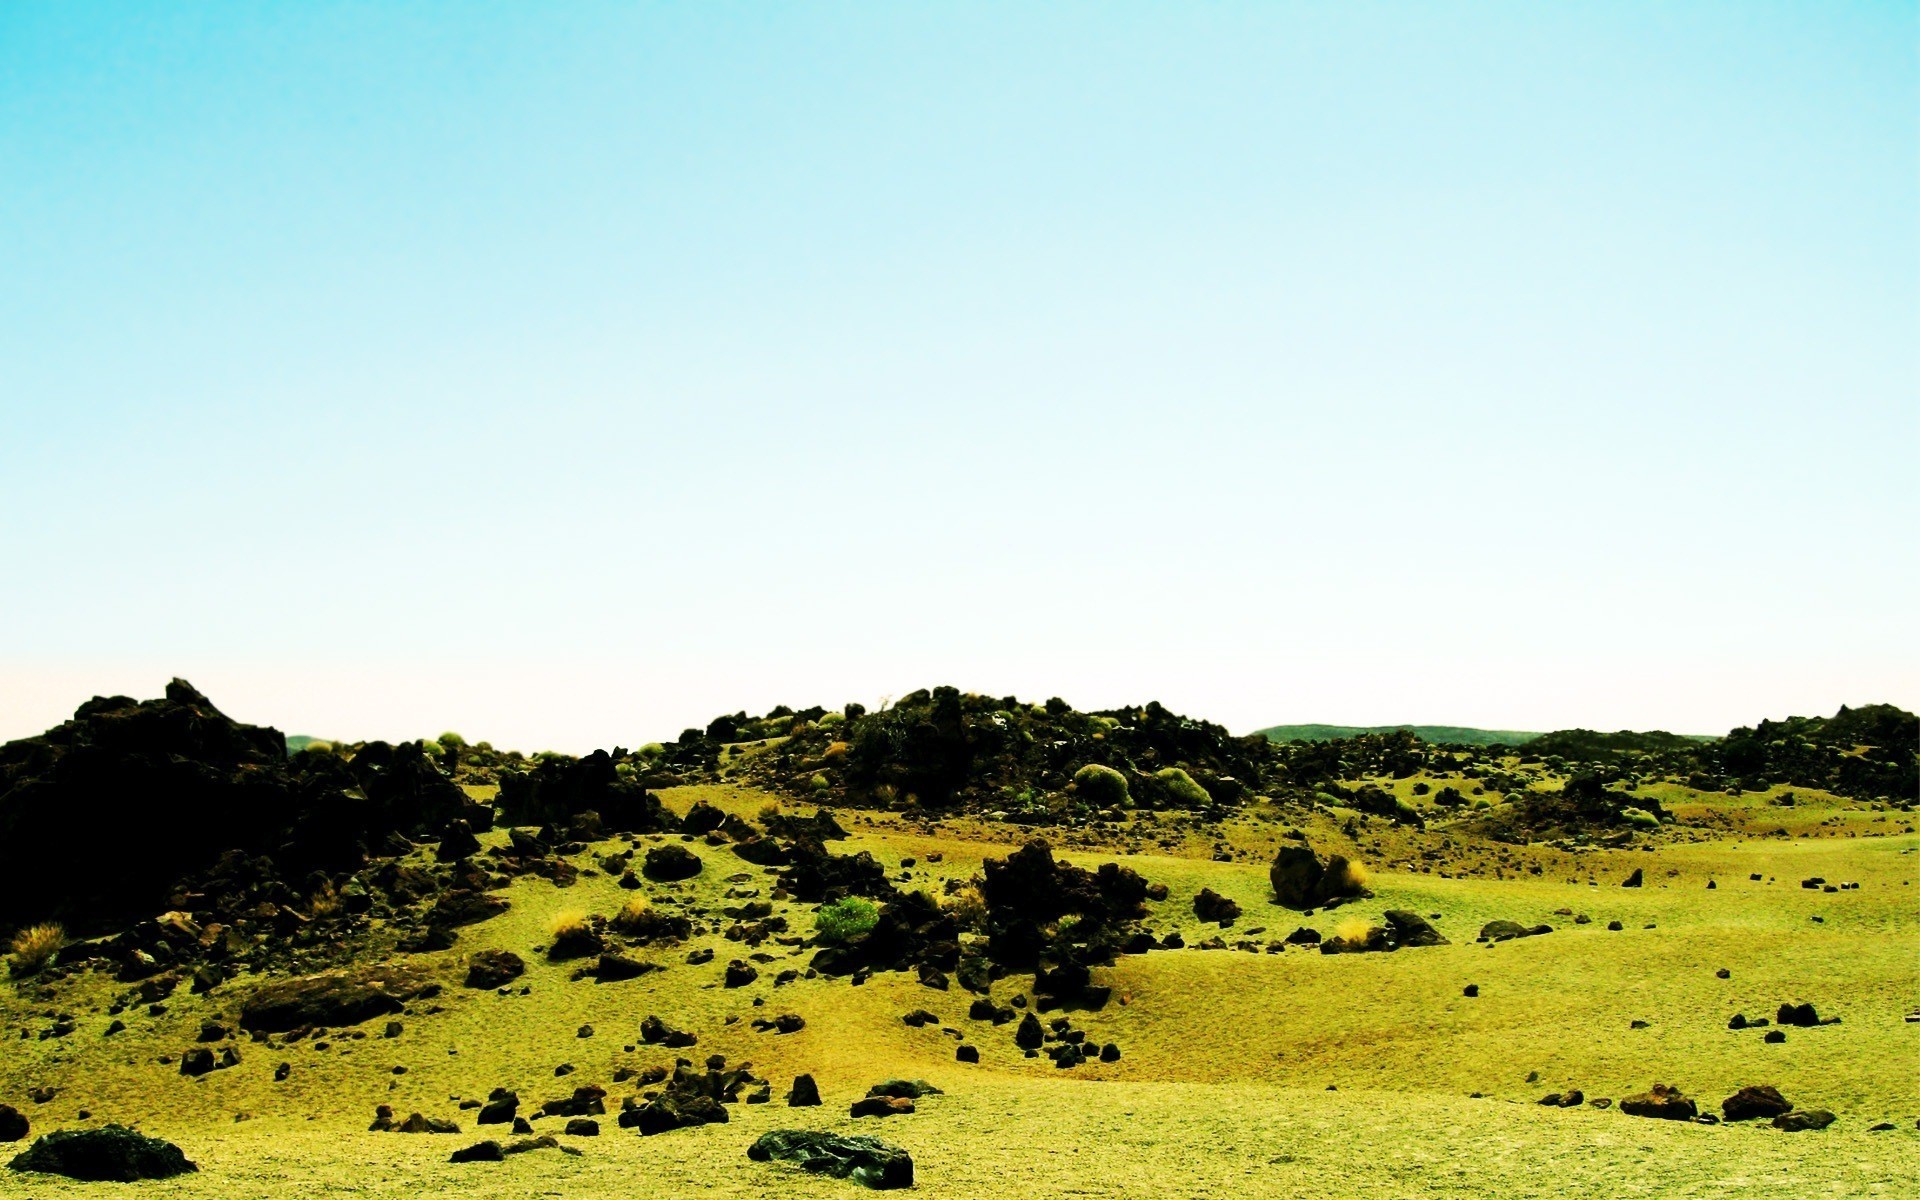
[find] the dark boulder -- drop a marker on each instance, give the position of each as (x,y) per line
(1637,879)
(702,818)
(1505,931)
(1754,1103)
(1212,907)
(487,1151)
(332,999)
(1411,929)
(1662,1102)
(111,1153)
(655,1032)
(1797,1122)
(494,968)
(881,1106)
(667,864)
(864,1160)
(457,842)
(13,1124)
(805,1093)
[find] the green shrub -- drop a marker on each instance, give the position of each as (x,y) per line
(844,920)
(433,750)
(819,782)
(1101,785)
(1182,789)
(450,738)
(1640,818)
(651,750)
(832,718)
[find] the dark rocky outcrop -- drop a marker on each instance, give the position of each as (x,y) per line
(864,1160)
(101,816)
(112,1153)
(558,790)
(331,999)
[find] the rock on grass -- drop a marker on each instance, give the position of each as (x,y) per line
(111,1153)
(864,1160)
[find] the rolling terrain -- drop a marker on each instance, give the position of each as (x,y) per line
(685,881)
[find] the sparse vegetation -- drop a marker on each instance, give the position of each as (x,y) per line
(1181,789)
(34,947)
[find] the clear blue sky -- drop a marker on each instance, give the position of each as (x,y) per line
(567,374)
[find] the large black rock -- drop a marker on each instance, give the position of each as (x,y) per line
(867,1161)
(112,1153)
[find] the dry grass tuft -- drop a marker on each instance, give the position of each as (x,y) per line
(1355,876)
(1353,929)
(325,903)
(35,946)
(968,908)
(570,923)
(632,914)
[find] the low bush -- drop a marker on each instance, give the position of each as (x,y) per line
(1101,785)
(844,920)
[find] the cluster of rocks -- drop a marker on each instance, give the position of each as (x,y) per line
(939,749)
(694,1097)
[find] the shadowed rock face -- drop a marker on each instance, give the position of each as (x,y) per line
(112,1153)
(100,816)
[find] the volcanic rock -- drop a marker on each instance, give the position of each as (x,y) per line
(111,1153)
(864,1160)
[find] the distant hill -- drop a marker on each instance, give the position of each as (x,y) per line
(1456,734)
(296,742)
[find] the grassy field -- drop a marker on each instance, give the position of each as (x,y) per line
(1243,1074)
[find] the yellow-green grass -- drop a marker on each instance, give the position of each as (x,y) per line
(1227,1055)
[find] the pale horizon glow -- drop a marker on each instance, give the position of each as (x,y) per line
(569,376)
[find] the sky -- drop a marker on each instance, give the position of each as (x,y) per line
(566,375)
